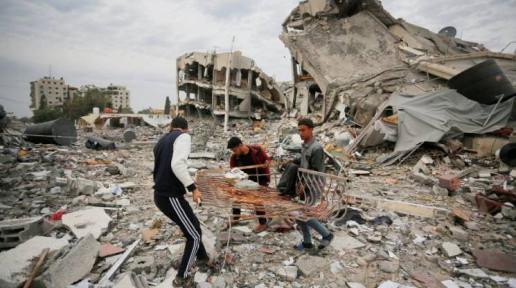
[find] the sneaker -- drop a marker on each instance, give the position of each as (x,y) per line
(260,228)
(325,242)
(183,282)
(303,246)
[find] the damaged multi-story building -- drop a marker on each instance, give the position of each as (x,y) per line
(202,86)
(349,56)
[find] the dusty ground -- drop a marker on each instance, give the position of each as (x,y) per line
(409,252)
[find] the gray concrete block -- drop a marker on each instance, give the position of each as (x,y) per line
(72,264)
(16,264)
(16,231)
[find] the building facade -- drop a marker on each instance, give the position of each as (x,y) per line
(50,90)
(119,96)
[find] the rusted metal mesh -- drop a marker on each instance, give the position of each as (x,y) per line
(322,196)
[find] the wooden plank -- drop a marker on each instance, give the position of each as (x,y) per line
(35,270)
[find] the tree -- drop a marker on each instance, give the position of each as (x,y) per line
(167,106)
(81,106)
(43,102)
(119,110)
(46,114)
(127,110)
(146,111)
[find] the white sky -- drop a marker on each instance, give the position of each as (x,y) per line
(135,43)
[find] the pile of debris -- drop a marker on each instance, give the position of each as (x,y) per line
(93,208)
(349,57)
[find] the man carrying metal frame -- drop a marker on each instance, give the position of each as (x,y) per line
(312,158)
(249,156)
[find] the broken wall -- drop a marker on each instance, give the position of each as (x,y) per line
(202,77)
(359,55)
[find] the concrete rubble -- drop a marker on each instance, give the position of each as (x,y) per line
(17,262)
(442,217)
(362,243)
(80,258)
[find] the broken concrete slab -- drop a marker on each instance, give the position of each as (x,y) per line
(209,240)
(450,284)
(125,280)
(107,250)
(309,264)
(428,280)
(89,220)
(355,285)
(200,277)
(142,264)
(219,282)
(458,233)
(72,264)
(495,260)
(475,273)
(450,249)
(389,284)
(176,250)
(287,272)
(16,264)
(80,186)
(167,282)
(342,241)
(120,260)
(389,266)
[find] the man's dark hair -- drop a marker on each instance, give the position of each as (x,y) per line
(307,122)
(179,122)
(234,142)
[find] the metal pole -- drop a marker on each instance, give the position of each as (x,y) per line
(494,108)
(226,92)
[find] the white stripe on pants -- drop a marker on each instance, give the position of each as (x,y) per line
(191,230)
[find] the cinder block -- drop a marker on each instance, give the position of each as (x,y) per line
(450,182)
(16,231)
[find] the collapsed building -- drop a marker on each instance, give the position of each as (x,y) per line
(349,57)
(202,84)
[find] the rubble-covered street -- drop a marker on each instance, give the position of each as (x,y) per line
(70,192)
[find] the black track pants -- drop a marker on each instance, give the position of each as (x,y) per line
(179,211)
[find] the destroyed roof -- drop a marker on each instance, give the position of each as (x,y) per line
(238,61)
(208,81)
(340,8)
(351,48)
(221,61)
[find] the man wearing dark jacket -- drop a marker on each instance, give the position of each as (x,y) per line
(249,155)
(171,181)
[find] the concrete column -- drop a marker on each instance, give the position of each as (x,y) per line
(294,89)
(250,86)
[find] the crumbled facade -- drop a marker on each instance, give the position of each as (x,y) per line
(348,57)
(201,83)
(54,91)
